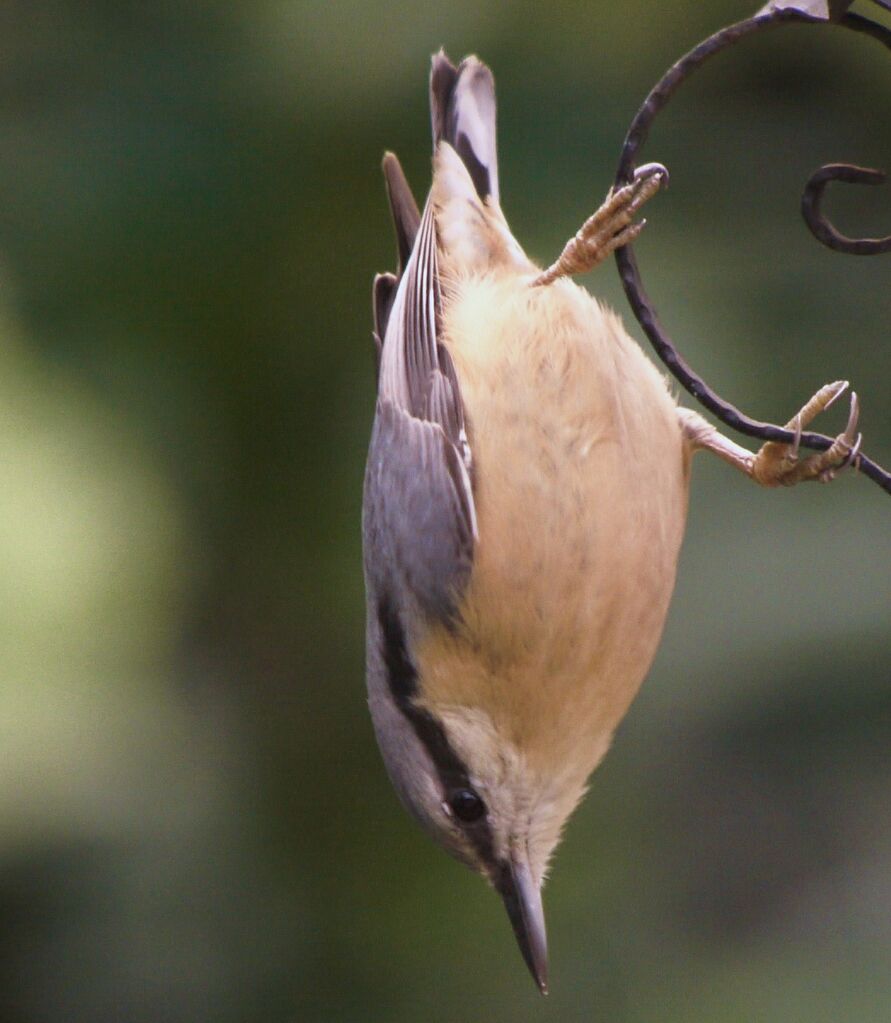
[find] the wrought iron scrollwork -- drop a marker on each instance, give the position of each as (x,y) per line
(779,12)
(820,226)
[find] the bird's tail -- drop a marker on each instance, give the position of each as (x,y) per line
(462,110)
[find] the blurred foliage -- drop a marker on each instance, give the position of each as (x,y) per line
(194,822)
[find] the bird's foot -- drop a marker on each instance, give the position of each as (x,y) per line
(609,228)
(779,464)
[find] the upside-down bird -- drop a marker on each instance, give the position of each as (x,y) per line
(525,499)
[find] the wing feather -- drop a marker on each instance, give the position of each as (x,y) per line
(420,519)
(403,207)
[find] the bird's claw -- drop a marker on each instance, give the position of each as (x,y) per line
(779,464)
(610,227)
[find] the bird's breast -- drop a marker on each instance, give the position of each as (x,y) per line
(580,484)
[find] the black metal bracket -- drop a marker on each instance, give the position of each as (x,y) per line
(778,12)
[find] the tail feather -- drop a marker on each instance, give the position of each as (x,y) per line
(443,78)
(462,109)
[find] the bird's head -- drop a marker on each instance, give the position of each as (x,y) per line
(478,796)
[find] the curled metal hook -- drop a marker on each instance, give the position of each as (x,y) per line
(776,12)
(820,226)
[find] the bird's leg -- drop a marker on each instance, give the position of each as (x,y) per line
(609,228)
(776,463)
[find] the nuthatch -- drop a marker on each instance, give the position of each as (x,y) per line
(525,499)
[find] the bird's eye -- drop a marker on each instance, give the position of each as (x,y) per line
(466,805)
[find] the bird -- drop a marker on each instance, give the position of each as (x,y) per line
(524,505)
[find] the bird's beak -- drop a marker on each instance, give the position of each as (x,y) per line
(522,899)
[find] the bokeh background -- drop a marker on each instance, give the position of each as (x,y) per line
(194,821)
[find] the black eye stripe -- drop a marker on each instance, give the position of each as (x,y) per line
(403,684)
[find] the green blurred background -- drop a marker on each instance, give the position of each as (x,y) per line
(194,821)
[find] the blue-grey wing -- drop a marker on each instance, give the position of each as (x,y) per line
(419,527)
(419,517)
